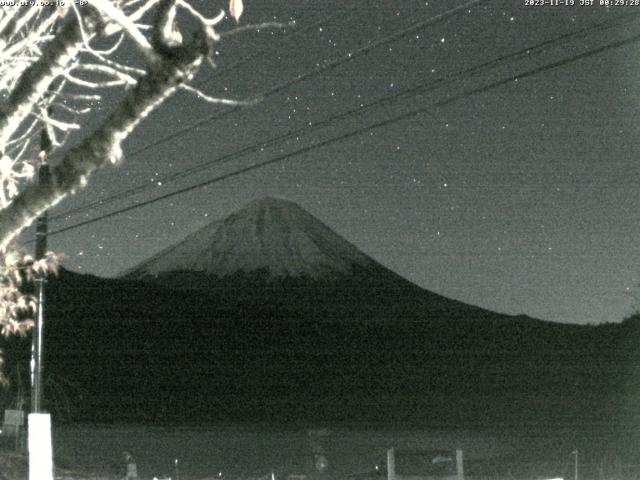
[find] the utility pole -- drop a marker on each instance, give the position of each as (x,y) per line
(40,445)
(575,464)
(44,178)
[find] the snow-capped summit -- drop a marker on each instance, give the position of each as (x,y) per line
(271,236)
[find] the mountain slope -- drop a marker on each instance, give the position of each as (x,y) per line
(277,318)
(273,255)
(141,351)
(273,236)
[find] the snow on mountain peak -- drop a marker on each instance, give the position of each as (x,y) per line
(268,235)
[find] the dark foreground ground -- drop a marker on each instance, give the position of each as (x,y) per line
(255,452)
(517,394)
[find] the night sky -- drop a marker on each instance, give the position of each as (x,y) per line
(521,199)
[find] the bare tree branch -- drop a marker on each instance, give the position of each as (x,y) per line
(257,26)
(36,79)
(127,25)
(104,145)
(217,100)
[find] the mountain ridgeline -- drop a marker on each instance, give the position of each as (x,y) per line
(272,252)
(268,315)
(274,236)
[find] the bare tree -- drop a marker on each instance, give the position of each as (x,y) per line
(51,73)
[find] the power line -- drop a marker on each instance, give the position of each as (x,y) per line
(319,69)
(421,88)
(380,124)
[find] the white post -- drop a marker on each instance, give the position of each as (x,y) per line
(391,464)
(40,449)
(459,464)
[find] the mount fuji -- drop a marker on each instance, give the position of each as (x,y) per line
(273,251)
(274,237)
